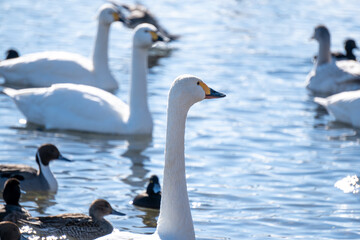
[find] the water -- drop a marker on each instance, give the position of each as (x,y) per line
(261,163)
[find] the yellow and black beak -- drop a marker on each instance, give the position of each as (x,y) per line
(119,17)
(209,92)
(157,37)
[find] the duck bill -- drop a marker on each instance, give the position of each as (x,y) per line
(64,159)
(114,212)
(214,94)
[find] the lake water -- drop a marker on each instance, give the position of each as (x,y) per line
(261,163)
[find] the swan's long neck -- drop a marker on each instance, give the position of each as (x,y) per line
(324,52)
(175,221)
(100,54)
(139,109)
(46,173)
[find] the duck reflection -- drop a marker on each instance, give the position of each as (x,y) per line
(42,199)
(136,145)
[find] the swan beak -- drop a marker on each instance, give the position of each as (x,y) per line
(114,212)
(118,17)
(64,158)
(214,94)
(158,37)
(209,92)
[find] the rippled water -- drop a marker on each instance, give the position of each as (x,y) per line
(261,163)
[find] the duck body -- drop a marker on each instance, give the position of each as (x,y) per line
(175,221)
(46,68)
(30,178)
(329,76)
(152,197)
(12,210)
(344,107)
(76,225)
(86,108)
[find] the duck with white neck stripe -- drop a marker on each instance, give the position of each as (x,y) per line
(30,178)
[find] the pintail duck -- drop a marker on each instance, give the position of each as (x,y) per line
(76,225)
(152,197)
(12,210)
(11,53)
(9,231)
(30,178)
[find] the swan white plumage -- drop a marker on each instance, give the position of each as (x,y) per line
(46,68)
(329,76)
(175,221)
(86,108)
(344,107)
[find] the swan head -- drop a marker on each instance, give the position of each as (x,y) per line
(109,13)
(145,35)
(100,208)
(321,34)
(188,89)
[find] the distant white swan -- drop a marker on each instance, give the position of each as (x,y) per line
(329,76)
(43,69)
(86,108)
(175,221)
(344,107)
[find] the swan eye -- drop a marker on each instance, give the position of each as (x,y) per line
(198,83)
(146,31)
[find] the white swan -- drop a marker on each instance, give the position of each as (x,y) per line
(344,107)
(329,76)
(86,108)
(175,221)
(46,68)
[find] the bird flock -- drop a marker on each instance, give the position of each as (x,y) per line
(66,91)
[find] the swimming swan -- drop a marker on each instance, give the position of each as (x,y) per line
(329,77)
(344,107)
(175,221)
(43,69)
(86,108)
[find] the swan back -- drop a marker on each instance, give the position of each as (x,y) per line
(95,110)
(344,107)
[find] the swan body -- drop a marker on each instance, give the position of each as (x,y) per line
(86,108)
(344,107)
(46,68)
(30,178)
(76,225)
(175,221)
(329,76)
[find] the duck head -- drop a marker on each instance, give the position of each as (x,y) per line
(11,192)
(100,208)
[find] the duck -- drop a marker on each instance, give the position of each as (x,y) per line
(344,107)
(12,53)
(175,221)
(30,178)
(10,231)
(90,109)
(12,210)
(152,197)
(349,45)
(42,69)
(138,14)
(328,76)
(76,225)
